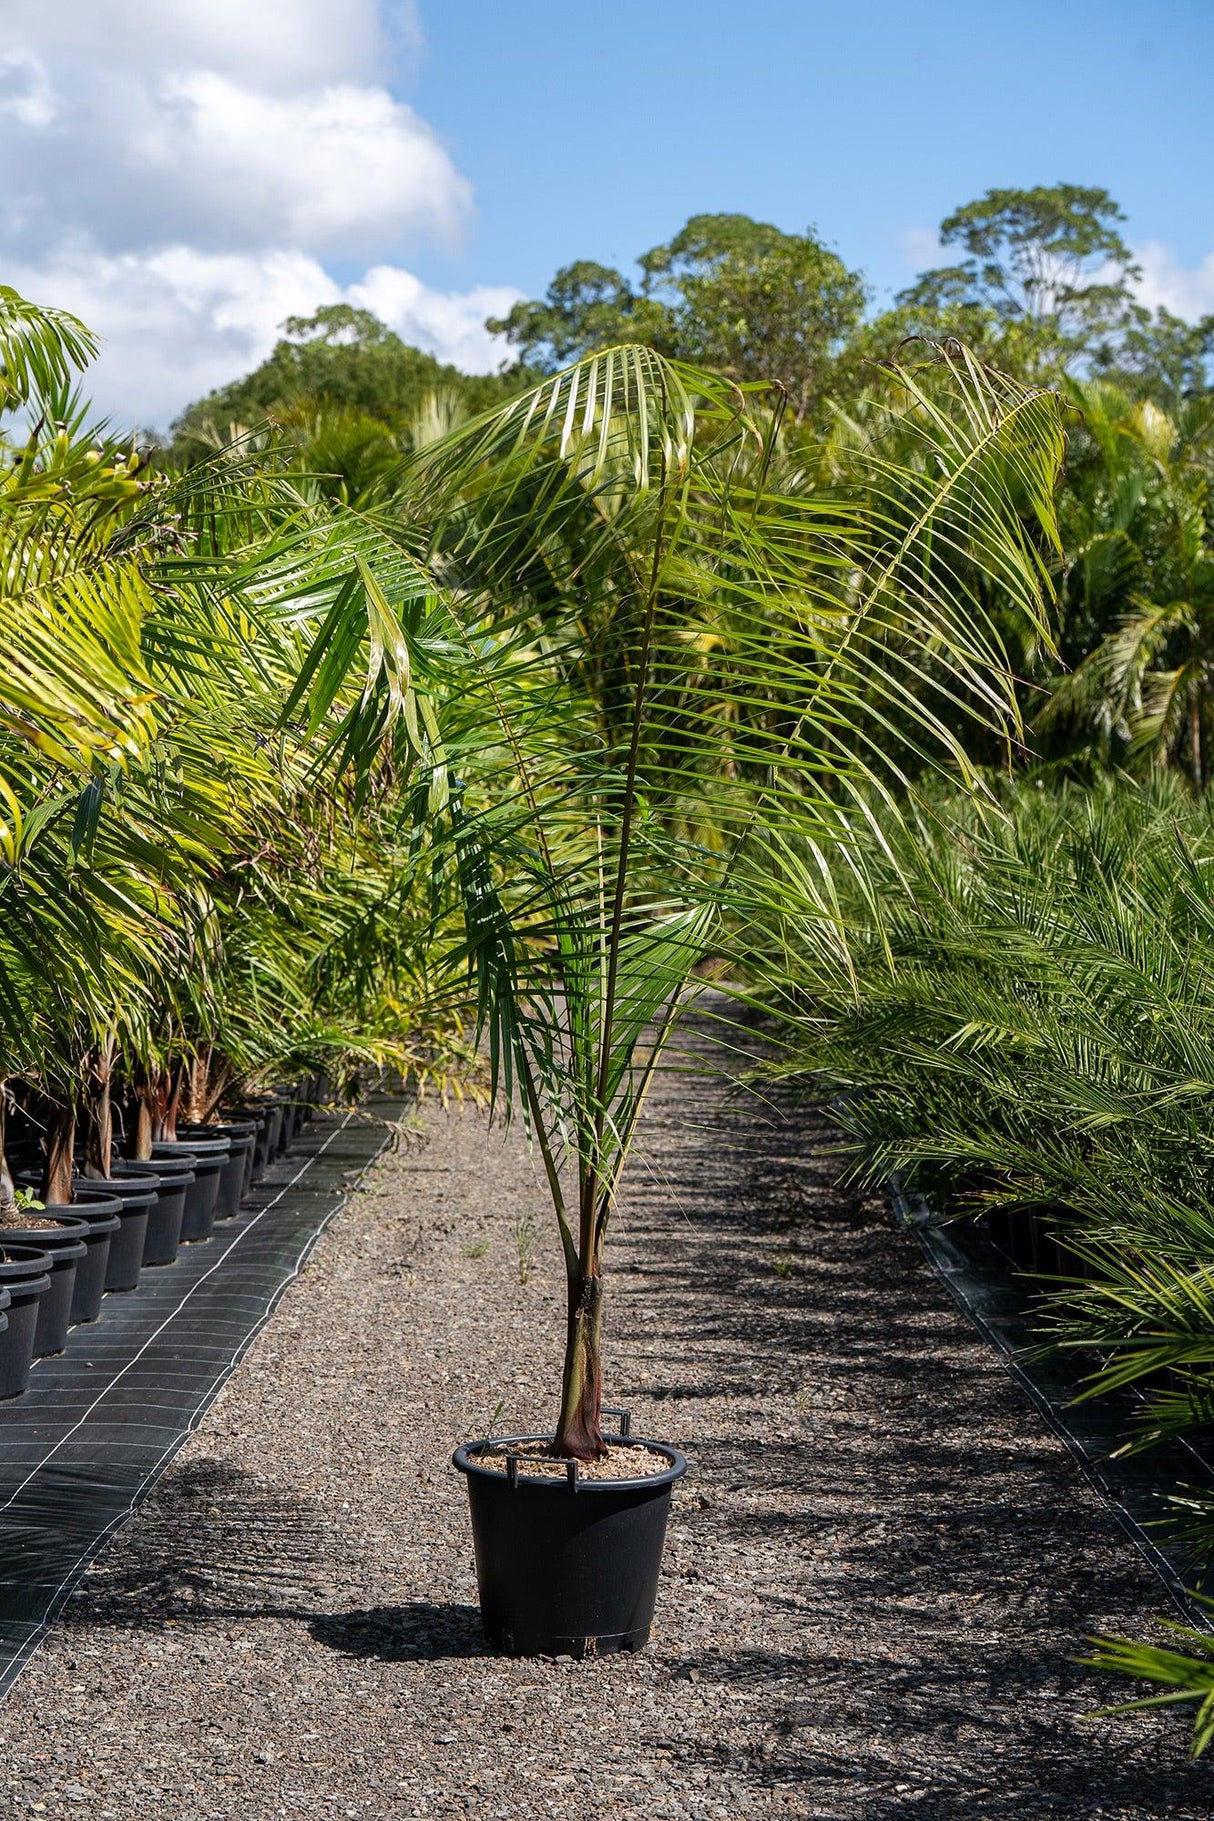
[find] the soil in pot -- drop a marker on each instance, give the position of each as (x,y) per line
(567,1558)
(24,1279)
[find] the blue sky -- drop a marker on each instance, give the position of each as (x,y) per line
(185,175)
(595,130)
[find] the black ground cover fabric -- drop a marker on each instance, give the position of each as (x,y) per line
(1000,1301)
(101,1421)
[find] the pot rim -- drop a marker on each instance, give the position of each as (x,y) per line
(206,1150)
(131,1204)
(73,1240)
(103,1205)
(463,1460)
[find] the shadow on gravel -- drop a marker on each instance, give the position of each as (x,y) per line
(213,1543)
(399,1634)
(216,1545)
(926,1558)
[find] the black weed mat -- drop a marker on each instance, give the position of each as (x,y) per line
(999,1300)
(100,1423)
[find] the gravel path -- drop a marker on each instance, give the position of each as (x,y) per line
(878,1569)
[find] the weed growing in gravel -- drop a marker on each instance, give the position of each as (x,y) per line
(524,1239)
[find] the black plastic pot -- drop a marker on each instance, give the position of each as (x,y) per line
(163,1238)
(65,1246)
(127,1244)
(101,1214)
(285,1106)
(205,1160)
(567,1567)
(258,1117)
(240,1137)
(25,1278)
(1033,1239)
(255,1158)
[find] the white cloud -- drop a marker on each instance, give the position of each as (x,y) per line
(449,324)
(187,147)
(1186,291)
(177,323)
(179,171)
(326,169)
(25,90)
(272,44)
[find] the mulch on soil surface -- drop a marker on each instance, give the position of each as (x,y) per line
(878,1570)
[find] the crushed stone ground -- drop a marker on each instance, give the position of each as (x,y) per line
(879,1568)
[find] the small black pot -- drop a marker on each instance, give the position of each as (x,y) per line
(205,1161)
(258,1117)
(163,1237)
(127,1244)
(25,1274)
(240,1138)
(567,1567)
(279,1138)
(101,1214)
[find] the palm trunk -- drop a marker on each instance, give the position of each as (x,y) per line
(175,1082)
(99,1114)
(60,1143)
(579,1434)
(198,1091)
(8,1188)
(143,1131)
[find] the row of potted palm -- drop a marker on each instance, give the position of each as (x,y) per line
(61,1259)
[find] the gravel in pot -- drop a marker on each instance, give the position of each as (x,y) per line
(25,1278)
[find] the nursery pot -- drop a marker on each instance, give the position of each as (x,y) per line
(25,1279)
(205,1161)
(167,1212)
(136,1201)
(100,1213)
(255,1126)
(567,1567)
(280,1126)
(239,1137)
(259,1118)
(63,1246)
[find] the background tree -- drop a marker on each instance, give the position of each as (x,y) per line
(341,359)
(1046,270)
(726,292)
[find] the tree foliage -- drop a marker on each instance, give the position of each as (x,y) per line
(727,292)
(340,359)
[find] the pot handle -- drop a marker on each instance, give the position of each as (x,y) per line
(625,1417)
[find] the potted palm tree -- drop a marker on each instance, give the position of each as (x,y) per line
(623,651)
